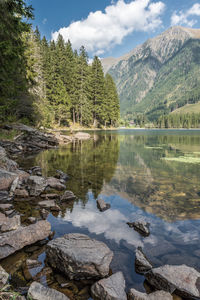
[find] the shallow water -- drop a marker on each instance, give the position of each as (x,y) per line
(143,175)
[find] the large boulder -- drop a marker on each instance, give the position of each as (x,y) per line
(39,292)
(6,179)
(79,257)
(36,185)
(158,295)
(68,196)
(3,277)
(111,288)
(13,241)
(182,279)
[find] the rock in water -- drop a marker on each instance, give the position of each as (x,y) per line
(79,256)
(51,204)
(182,279)
(55,183)
(141,226)
(142,265)
(102,205)
(37,185)
(158,295)
(3,277)
(13,241)
(67,196)
(111,288)
(39,292)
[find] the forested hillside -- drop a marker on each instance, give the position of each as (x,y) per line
(48,83)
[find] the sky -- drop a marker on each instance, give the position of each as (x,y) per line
(111,27)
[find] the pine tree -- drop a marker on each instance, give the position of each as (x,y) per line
(98,91)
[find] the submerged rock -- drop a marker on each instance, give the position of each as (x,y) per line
(102,205)
(182,279)
(36,185)
(158,295)
(67,196)
(111,288)
(141,226)
(79,257)
(62,175)
(142,265)
(3,277)
(39,292)
(13,241)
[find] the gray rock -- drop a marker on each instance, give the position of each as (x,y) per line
(10,224)
(111,288)
(36,185)
(141,226)
(4,196)
(158,295)
(102,205)
(44,214)
(51,204)
(142,265)
(50,196)
(14,186)
(182,279)
(32,263)
(55,183)
(3,277)
(62,175)
(13,241)
(79,256)
(39,292)
(67,196)
(4,207)
(6,179)
(5,162)
(21,193)
(32,220)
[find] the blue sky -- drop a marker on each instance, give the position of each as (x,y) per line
(111,27)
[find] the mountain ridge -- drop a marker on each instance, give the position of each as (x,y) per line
(138,73)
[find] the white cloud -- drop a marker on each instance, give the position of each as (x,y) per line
(186,17)
(101,31)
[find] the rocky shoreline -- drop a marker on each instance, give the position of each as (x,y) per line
(75,256)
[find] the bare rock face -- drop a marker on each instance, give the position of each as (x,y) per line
(37,185)
(79,257)
(182,279)
(111,288)
(158,295)
(67,196)
(55,183)
(142,265)
(6,179)
(3,277)
(13,241)
(39,292)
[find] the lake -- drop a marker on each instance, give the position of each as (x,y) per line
(153,175)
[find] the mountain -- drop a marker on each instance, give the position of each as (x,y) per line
(160,75)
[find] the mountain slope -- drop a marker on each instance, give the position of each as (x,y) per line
(156,76)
